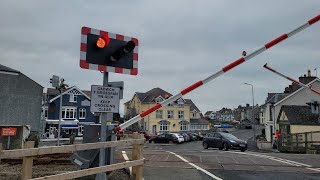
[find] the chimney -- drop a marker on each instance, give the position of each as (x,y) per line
(247,105)
(309,73)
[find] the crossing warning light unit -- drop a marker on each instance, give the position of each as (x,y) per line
(108,52)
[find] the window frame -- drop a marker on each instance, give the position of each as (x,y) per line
(157,113)
(170,114)
(84,113)
(180,116)
(68,110)
(163,127)
(184,127)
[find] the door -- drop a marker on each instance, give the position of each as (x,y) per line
(218,140)
(154,129)
(210,139)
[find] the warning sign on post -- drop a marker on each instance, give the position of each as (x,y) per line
(104,99)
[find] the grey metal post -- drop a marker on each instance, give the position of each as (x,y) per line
(103,134)
(254,124)
(8,145)
(60,117)
(252,115)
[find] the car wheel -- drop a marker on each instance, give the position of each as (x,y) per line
(170,142)
(242,150)
(205,145)
(225,147)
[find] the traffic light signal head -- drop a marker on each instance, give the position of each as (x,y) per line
(104,51)
(54,81)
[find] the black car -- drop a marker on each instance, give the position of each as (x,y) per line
(164,138)
(224,141)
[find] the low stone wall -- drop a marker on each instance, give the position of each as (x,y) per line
(264,145)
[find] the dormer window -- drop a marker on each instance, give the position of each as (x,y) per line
(159,99)
(73,98)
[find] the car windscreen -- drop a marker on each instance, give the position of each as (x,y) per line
(229,136)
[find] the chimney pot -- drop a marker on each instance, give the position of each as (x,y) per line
(309,73)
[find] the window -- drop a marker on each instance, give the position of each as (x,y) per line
(45,112)
(68,113)
(180,105)
(170,105)
(82,113)
(183,127)
(170,114)
(181,114)
(204,127)
(159,114)
(73,98)
(163,127)
(194,114)
(198,126)
(159,99)
(192,127)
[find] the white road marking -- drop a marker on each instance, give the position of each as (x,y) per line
(125,156)
(197,167)
(274,158)
(314,169)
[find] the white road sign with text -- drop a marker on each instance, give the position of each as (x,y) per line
(104,99)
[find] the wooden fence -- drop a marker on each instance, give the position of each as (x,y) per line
(308,142)
(29,152)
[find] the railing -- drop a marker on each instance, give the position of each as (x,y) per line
(29,152)
(308,142)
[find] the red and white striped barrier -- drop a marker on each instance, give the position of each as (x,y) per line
(217,74)
(290,79)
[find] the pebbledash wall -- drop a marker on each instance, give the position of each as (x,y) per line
(20,99)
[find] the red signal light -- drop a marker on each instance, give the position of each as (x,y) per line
(103,41)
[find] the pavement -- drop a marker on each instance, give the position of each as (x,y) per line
(190,161)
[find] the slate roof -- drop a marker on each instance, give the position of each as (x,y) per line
(192,105)
(127,103)
(276,97)
(149,96)
(299,115)
(199,121)
(208,113)
(7,69)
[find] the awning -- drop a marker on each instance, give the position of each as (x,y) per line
(69,126)
(164,122)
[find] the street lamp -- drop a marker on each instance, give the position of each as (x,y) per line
(315,69)
(252,115)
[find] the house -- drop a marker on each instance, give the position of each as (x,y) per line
(20,99)
(298,119)
(225,114)
(211,115)
(245,113)
(291,96)
(75,111)
(174,118)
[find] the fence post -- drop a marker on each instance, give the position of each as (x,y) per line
(0,151)
(137,153)
(297,141)
(27,163)
(306,141)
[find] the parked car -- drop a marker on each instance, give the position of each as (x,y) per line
(180,137)
(197,136)
(164,138)
(224,141)
(147,135)
(192,137)
(186,137)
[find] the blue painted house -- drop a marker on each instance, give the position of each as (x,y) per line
(75,111)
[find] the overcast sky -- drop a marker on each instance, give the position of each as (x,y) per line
(180,42)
